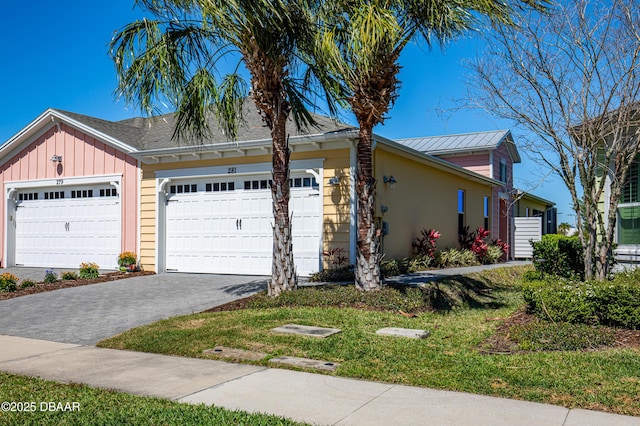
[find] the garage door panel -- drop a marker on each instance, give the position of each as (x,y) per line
(65,232)
(234,233)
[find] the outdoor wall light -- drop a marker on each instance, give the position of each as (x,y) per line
(56,158)
(334,181)
(390,180)
(384,209)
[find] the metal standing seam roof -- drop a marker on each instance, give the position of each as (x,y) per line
(464,142)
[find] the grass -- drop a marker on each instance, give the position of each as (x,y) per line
(460,312)
(103,407)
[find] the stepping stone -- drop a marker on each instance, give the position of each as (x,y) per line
(403,332)
(234,353)
(306,330)
(305,363)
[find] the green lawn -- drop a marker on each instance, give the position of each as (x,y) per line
(102,407)
(468,306)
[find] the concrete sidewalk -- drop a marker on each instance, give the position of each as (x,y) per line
(311,398)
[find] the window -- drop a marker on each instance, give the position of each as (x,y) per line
(220,186)
(257,184)
(186,188)
(486,208)
(461,206)
(629,207)
(109,192)
(503,170)
(28,196)
(53,195)
(85,193)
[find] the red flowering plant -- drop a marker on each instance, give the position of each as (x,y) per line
(478,243)
(425,245)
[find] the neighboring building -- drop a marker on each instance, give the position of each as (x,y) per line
(78,189)
(627,233)
(491,154)
(529,205)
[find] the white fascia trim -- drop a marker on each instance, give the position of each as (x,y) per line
(244,145)
(438,162)
(240,169)
(42,123)
(99,135)
(64,181)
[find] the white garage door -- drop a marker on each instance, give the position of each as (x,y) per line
(223,225)
(62,228)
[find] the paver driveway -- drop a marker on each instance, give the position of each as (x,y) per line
(87,314)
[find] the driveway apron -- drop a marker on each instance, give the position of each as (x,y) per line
(85,315)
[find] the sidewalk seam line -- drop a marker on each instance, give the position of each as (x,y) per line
(365,404)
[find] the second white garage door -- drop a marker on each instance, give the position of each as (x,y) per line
(224,225)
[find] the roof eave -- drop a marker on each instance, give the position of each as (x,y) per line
(154,155)
(439,163)
(50,116)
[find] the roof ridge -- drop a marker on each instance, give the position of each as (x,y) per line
(456,134)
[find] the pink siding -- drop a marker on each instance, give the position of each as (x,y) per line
(82,156)
(478,163)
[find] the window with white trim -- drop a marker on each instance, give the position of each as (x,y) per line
(629,207)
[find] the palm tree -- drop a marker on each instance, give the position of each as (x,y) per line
(360,47)
(176,60)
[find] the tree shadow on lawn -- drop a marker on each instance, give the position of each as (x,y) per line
(454,291)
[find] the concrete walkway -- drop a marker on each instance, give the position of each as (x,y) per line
(426,276)
(311,398)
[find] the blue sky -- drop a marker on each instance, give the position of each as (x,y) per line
(55,56)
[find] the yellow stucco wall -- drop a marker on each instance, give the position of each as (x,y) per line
(525,203)
(423,197)
(335,198)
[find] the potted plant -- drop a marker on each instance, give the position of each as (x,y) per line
(128,261)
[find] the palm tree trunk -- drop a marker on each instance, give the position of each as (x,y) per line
(283,271)
(367,273)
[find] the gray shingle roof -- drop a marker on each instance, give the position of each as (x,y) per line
(149,133)
(464,142)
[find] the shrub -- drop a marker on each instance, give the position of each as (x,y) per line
(69,276)
(454,257)
(89,270)
(493,255)
(548,336)
(614,303)
(562,255)
(425,245)
(391,268)
(335,257)
(8,282)
(27,283)
(127,258)
(50,276)
(419,263)
(478,243)
(342,274)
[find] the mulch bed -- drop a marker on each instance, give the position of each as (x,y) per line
(500,342)
(42,287)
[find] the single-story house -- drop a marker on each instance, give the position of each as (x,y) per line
(78,188)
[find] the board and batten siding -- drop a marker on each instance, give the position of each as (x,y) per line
(526,229)
(82,156)
(478,163)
